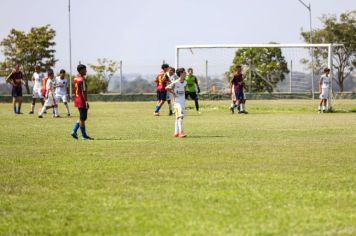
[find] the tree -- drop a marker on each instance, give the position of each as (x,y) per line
(105,70)
(265,65)
(95,84)
(336,30)
(28,50)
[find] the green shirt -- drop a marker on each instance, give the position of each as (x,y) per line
(191,81)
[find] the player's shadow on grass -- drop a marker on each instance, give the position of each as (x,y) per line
(207,136)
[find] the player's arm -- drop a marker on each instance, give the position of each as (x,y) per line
(197,84)
(85,93)
(320,84)
(170,89)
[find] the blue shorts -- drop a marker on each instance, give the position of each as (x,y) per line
(240,96)
(16,92)
(161,95)
(83,114)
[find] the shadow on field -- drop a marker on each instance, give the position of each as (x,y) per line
(207,136)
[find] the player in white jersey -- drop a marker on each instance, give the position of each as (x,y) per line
(324,89)
(50,96)
(172,77)
(62,89)
(37,78)
(177,89)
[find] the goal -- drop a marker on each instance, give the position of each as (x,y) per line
(212,65)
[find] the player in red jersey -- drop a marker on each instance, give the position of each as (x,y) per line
(237,86)
(16,80)
(80,101)
(161,81)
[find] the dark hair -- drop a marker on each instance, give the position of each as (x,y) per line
(173,69)
(326,69)
(62,71)
(50,72)
(180,71)
(80,67)
(164,66)
(190,69)
(238,67)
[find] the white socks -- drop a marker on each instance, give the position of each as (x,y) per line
(67,108)
(32,107)
(42,110)
(178,126)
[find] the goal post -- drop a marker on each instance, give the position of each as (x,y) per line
(187,55)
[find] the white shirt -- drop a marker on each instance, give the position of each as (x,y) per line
(179,89)
(38,77)
(50,86)
(61,84)
(173,78)
(325,81)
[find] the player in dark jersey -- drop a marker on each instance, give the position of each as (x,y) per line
(16,80)
(80,101)
(237,86)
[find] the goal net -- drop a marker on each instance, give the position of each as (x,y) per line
(278,68)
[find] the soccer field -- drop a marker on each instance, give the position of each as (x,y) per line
(283,169)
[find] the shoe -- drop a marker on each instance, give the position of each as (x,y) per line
(245,112)
(156,114)
(232,110)
(240,112)
(170,113)
(40,116)
(45,112)
(57,116)
(68,115)
(31,112)
(19,113)
(87,138)
(74,135)
(182,135)
(176,135)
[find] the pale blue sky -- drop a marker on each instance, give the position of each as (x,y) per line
(143,33)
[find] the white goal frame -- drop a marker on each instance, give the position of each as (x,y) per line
(329,46)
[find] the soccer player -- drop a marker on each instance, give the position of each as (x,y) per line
(16,80)
(172,78)
(237,86)
(62,89)
(50,101)
(178,88)
(37,78)
(80,101)
(192,88)
(161,81)
(324,86)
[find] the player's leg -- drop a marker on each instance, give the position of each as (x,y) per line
(33,103)
(83,114)
(14,103)
(180,121)
(19,100)
(158,104)
(194,96)
(65,102)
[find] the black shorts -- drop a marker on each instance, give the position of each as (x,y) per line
(83,114)
(161,96)
(192,95)
(16,92)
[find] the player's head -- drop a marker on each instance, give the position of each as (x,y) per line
(181,72)
(62,74)
(165,67)
(82,69)
(50,73)
(38,68)
(17,67)
(238,69)
(171,71)
(326,70)
(190,71)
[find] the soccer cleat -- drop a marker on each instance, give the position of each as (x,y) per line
(68,115)
(87,138)
(156,114)
(232,110)
(40,116)
(170,113)
(176,135)
(182,135)
(31,112)
(245,112)
(19,113)
(74,135)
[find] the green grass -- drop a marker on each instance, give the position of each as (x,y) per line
(283,169)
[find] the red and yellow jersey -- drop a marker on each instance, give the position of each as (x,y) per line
(80,92)
(161,81)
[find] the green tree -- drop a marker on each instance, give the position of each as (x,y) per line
(341,31)
(29,49)
(105,69)
(95,84)
(266,66)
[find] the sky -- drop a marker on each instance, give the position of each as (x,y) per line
(143,33)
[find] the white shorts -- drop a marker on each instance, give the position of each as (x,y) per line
(324,93)
(61,98)
(179,110)
(36,93)
(169,96)
(50,101)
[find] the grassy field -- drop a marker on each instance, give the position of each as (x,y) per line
(283,169)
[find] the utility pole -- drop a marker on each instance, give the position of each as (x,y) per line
(70,53)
